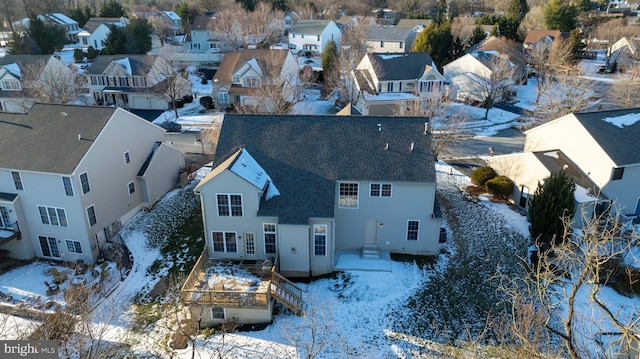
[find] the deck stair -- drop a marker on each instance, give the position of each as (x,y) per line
(285,292)
(370,251)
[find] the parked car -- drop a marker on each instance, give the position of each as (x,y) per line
(171,126)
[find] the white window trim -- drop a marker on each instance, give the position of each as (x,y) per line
(357,196)
(86,211)
(73,190)
(57,215)
(129,188)
(326,236)
(127,157)
(224,241)
(264,238)
(407,231)
(381,184)
(88,183)
(73,241)
(19,178)
(229,204)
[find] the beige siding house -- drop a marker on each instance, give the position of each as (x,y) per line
(71,176)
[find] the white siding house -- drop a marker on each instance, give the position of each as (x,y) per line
(313,35)
(70,176)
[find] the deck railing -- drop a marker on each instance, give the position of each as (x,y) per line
(226,298)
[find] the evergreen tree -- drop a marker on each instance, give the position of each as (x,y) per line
(115,42)
(503,26)
(279,5)
(576,45)
(248,5)
(112,8)
(441,11)
(517,9)
(583,5)
(553,201)
(436,39)
(138,33)
(22,45)
(49,36)
(560,15)
(186,13)
(82,14)
(329,56)
(477,36)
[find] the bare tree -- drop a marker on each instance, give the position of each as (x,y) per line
(241,28)
(494,85)
(566,93)
(278,89)
(51,81)
(624,93)
(548,304)
(169,80)
(546,61)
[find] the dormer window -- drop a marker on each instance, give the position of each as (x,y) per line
(10,85)
(250,81)
(236,79)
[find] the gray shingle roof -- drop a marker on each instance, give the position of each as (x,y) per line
(622,144)
(387,33)
(25,61)
(310,27)
(306,155)
(140,64)
(400,66)
(46,138)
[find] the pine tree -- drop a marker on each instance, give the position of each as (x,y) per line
(111,9)
(553,203)
(477,36)
(436,39)
(576,45)
(49,36)
(560,15)
(517,9)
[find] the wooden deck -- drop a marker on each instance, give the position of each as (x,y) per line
(206,286)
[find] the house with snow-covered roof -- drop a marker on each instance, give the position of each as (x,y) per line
(71,176)
(386,82)
(389,39)
(131,81)
(602,148)
(97,29)
(69,24)
(17,73)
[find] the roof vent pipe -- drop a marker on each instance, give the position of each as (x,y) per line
(386,146)
(411,146)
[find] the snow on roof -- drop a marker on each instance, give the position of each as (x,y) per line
(389,96)
(13,68)
(387,57)
(247,167)
(553,154)
(583,195)
(172,15)
(125,64)
(254,65)
(624,120)
(64,18)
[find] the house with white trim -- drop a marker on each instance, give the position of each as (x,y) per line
(389,39)
(69,24)
(97,29)
(313,35)
(386,82)
(71,176)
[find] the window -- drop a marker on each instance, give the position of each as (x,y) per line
(5,222)
(124,82)
(269,238)
(74,246)
(381,43)
(236,79)
(17,180)
(217,313)
(617,173)
(389,86)
(132,187)
(84,181)
(380,190)
(49,246)
(318,38)
(320,240)
(250,81)
(127,158)
(224,242)
(223,96)
(229,204)
(412,230)
(10,85)
(401,44)
(348,195)
(91,215)
(53,216)
(68,188)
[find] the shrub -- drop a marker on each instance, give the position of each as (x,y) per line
(481,175)
(91,53)
(500,186)
(207,102)
(188,98)
(78,55)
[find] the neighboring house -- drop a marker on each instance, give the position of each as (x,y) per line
(238,80)
(545,38)
(14,82)
(68,23)
(622,55)
(202,38)
(313,35)
(471,75)
(386,16)
(416,25)
(386,81)
(130,81)
(290,19)
(604,148)
(97,29)
(389,39)
(345,21)
(527,170)
(170,19)
(512,49)
(299,189)
(71,176)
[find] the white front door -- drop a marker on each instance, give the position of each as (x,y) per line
(249,245)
